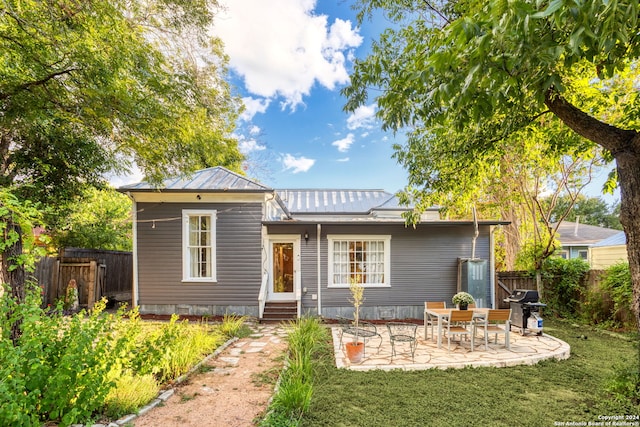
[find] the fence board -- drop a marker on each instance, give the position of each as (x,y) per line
(511,280)
(97,274)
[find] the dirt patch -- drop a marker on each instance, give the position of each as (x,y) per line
(232,389)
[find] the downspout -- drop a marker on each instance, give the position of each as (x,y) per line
(492,264)
(134,219)
(319,233)
(475,234)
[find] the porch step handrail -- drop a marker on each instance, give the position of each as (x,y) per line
(262,295)
(298,293)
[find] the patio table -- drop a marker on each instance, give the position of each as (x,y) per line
(444,313)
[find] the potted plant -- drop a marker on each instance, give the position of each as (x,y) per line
(462,300)
(355,349)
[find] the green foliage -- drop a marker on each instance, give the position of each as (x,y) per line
(129,393)
(25,215)
(99,219)
(89,86)
(168,350)
(562,281)
(617,284)
(588,210)
(64,369)
(58,368)
(625,382)
(308,341)
(234,326)
(472,80)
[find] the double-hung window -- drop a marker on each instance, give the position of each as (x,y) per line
(198,245)
(364,259)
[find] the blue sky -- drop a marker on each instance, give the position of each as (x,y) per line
(288,61)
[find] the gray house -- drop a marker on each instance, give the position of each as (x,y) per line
(217,243)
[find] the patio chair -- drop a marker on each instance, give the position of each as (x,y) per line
(495,322)
(400,332)
(366,330)
(460,324)
(430,320)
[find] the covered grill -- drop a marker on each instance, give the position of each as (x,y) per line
(524,306)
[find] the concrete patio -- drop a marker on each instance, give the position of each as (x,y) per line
(524,350)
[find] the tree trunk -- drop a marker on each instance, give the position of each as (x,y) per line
(625,147)
(12,272)
(628,163)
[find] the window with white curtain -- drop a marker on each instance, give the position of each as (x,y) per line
(365,259)
(198,245)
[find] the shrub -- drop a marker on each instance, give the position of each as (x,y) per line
(57,369)
(562,281)
(617,283)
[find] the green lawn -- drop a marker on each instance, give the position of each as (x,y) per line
(547,394)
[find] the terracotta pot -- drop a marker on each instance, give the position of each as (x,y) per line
(355,351)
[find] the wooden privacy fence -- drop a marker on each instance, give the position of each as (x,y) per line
(97,274)
(507,281)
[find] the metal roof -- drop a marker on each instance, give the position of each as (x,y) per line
(212,179)
(615,240)
(310,201)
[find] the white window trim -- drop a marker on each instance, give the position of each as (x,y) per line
(186,213)
(362,237)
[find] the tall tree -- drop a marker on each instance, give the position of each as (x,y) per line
(88,86)
(99,219)
(484,70)
(589,210)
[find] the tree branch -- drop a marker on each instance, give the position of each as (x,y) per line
(607,136)
(40,82)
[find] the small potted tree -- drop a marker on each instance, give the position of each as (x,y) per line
(355,349)
(462,300)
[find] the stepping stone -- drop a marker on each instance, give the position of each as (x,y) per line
(230,360)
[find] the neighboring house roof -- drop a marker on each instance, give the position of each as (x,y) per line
(618,239)
(212,179)
(576,234)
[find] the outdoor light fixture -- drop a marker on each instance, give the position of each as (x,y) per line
(306,236)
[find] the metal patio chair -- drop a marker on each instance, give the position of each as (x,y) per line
(400,332)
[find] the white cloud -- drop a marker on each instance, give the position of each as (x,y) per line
(344,143)
(345,159)
(247,146)
(253,106)
(297,164)
(363,117)
(255,130)
(281,48)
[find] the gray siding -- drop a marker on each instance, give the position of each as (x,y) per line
(238,256)
(424,267)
